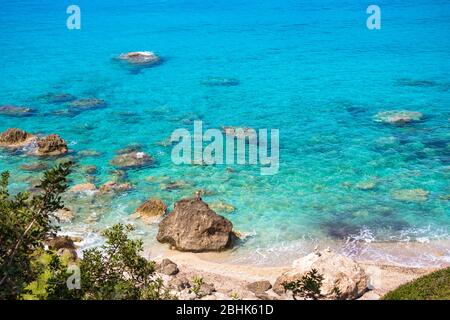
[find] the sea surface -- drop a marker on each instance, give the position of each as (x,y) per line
(311,69)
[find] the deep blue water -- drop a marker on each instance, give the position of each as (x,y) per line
(308,68)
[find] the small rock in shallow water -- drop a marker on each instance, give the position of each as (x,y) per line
(84,187)
(142,58)
(366,185)
(15,111)
(51,145)
(112,186)
(64,215)
(37,166)
(411,195)
(58,97)
(89,153)
(150,210)
(398,117)
(132,160)
(221,206)
(87,104)
(16,138)
(174,185)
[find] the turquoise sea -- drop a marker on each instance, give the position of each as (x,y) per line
(311,69)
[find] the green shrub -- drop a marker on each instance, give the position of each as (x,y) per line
(435,286)
(25,222)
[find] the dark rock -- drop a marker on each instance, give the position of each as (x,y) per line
(168,267)
(56,98)
(37,166)
(87,104)
(193,226)
(180,284)
(15,111)
(60,242)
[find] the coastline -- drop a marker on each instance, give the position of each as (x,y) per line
(231,279)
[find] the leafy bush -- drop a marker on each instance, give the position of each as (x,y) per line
(434,286)
(25,222)
(28,271)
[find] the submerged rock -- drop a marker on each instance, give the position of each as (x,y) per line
(56,98)
(411,195)
(141,58)
(174,185)
(239,132)
(339,274)
(16,138)
(112,186)
(132,160)
(150,210)
(398,117)
(84,188)
(15,111)
(193,226)
(51,145)
(221,82)
(87,104)
(64,215)
(36,166)
(366,185)
(221,206)
(89,153)
(416,83)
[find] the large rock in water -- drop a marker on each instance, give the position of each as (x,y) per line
(338,271)
(150,210)
(193,226)
(14,137)
(52,145)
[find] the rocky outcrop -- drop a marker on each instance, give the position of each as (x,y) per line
(15,138)
(150,210)
(132,160)
(51,145)
(398,117)
(15,111)
(145,58)
(340,274)
(193,226)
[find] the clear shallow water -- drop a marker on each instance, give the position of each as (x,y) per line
(312,70)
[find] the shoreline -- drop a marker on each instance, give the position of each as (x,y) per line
(229,279)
